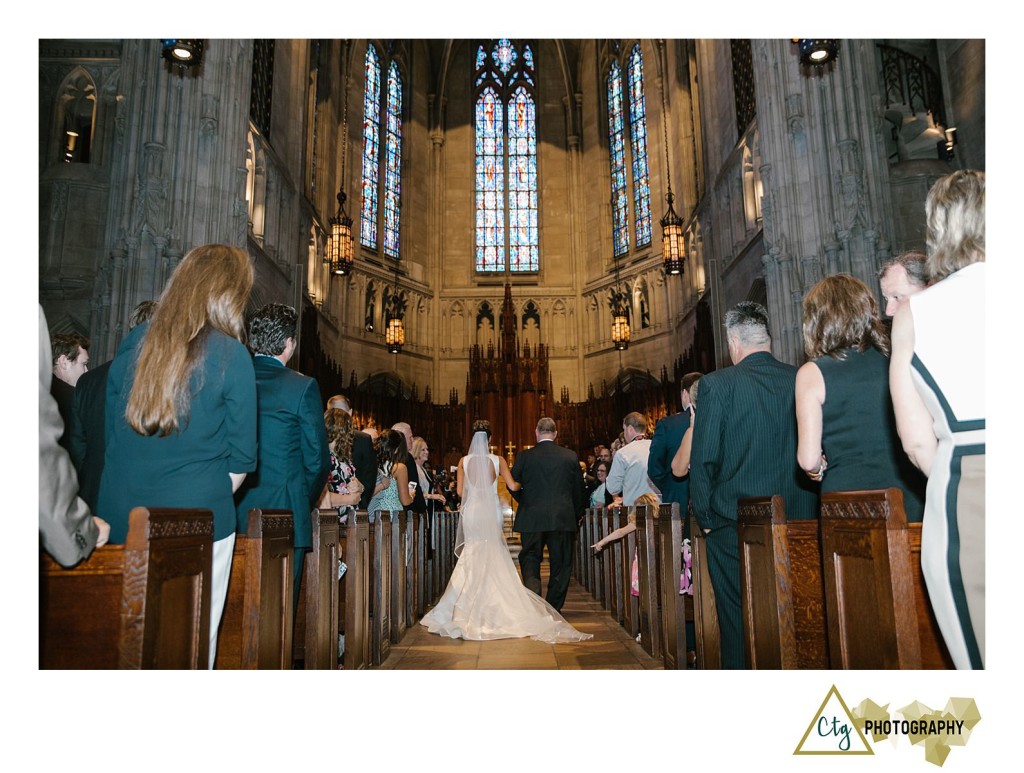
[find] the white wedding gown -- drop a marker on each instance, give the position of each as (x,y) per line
(485,599)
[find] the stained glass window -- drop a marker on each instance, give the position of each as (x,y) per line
(617,153)
(371,149)
(506,149)
(522,182)
(393,165)
(374,147)
(638,135)
(490,183)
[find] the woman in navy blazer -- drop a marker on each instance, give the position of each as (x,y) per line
(181,407)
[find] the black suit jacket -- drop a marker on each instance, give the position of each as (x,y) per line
(85,437)
(364,458)
(553,495)
(744,441)
(419,504)
(667,437)
(292,455)
(64,394)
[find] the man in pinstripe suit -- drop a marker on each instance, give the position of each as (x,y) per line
(744,445)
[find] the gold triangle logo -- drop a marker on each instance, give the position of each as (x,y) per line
(833,730)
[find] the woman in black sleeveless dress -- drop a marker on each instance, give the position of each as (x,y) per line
(847,429)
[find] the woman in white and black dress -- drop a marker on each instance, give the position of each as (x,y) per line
(485,598)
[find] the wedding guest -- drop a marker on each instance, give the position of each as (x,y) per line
(363,455)
(744,443)
(391,491)
(88,417)
(902,277)
(67,530)
(628,474)
(600,497)
(343,489)
(680,463)
(292,455)
(421,455)
(937,382)
(843,408)
(70,353)
(181,407)
(669,434)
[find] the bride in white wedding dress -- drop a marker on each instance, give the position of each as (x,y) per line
(485,599)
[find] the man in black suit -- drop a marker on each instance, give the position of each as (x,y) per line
(364,458)
(551,501)
(292,455)
(667,437)
(70,362)
(88,414)
(744,445)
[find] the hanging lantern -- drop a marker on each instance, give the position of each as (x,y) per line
(394,335)
(620,332)
(339,255)
(672,246)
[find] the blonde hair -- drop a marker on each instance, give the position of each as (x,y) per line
(340,429)
(418,444)
(955,210)
(207,291)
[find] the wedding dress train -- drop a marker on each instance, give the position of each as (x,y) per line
(485,598)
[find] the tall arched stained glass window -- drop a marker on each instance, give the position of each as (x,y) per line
(490,183)
(382,146)
(371,149)
(638,134)
(505,120)
(617,153)
(393,165)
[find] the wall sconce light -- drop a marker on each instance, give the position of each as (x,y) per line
(817,52)
(69,146)
(945,147)
(187,54)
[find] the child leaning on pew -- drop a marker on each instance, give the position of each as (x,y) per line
(649,499)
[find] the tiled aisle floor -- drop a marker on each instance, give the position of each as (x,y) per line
(611,646)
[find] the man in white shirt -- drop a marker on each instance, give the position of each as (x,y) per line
(628,474)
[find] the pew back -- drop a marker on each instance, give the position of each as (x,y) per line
(256,627)
(144,604)
(869,591)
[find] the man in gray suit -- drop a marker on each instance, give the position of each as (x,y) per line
(550,502)
(744,445)
(67,530)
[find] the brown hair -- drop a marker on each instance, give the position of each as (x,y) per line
(482,425)
(391,449)
(840,312)
(955,210)
(339,432)
(67,345)
(206,292)
(636,420)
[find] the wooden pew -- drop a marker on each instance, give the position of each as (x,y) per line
(355,540)
(401,559)
(322,591)
(877,618)
(256,627)
(631,604)
(419,559)
(668,541)
(588,539)
(144,604)
(381,585)
(705,615)
(650,591)
(613,556)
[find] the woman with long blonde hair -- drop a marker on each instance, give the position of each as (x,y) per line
(181,406)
